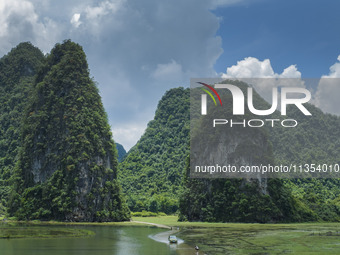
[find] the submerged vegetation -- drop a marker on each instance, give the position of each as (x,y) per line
(268,239)
(243,238)
(7,232)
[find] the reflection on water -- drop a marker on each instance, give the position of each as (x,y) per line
(109,240)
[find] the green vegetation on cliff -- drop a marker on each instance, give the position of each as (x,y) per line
(17,70)
(240,200)
(151,173)
(67,162)
(253,200)
(316,140)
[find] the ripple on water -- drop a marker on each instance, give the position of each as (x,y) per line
(163,237)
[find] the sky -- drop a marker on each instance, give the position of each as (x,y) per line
(139,49)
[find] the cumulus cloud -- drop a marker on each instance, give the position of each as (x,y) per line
(104,8)
(262,76)
(334,70)
(253,68)
(328,90)
(20,22)
(75,20)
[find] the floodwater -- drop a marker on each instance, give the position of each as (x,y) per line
(109,240)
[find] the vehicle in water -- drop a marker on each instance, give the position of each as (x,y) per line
(172,239)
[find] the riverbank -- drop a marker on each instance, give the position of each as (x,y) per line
(13,232)
(171,221)
(253,238)
(237,238)
(151,224)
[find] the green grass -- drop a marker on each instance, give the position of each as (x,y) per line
(41,232)
(241,238)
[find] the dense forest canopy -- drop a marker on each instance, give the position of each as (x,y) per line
(151,173)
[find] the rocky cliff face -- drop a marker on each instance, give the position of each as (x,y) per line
(230,145)
(17,70)
(242,197)
(67,165)
(246,147)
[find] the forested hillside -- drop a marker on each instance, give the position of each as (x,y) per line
(316,140)
(252,198)
(64,158)
(17,70)
(240,200)
(151,174)
(235,199)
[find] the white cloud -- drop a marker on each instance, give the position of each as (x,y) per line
(290,72)
(334,70)
(104,8)
(128,134)
(262,76)
(75,20)
(20,22)
(253,68)
(328,90)
(171,71)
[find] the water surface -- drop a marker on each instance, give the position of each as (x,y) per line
(109,240)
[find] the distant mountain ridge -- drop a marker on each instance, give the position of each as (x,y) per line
(121,152)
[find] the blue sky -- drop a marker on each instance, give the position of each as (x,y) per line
(138,49)
(301,32)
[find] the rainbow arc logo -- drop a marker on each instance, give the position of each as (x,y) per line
(209,93)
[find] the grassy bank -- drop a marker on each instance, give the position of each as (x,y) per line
(172,221)
(240,238)
(41,232)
